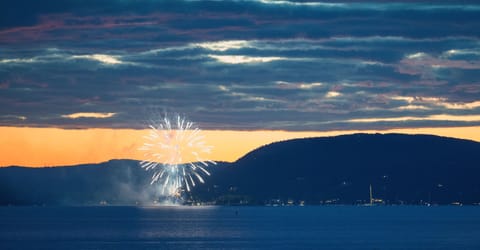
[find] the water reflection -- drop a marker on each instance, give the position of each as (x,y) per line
(164,227)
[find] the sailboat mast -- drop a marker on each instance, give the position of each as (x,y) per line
(371,196)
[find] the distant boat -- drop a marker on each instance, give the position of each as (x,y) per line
(374,201)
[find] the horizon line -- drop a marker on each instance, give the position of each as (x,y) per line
(238,154)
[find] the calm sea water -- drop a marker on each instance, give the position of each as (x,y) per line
(323,227)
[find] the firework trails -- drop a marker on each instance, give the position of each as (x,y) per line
(175,151)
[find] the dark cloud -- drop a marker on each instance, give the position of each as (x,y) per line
(291,65)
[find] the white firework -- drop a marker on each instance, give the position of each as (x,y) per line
(174,151)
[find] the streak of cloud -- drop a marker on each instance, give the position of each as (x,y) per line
(89,115)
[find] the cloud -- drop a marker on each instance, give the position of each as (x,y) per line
(294,3)
(18,60)
(412,107)
(422,63)
(15,117)
(105,59)
(55,55)
(300,85)
(244,59)
(441,117)
(223,45)
(417,55)
(89,115)
(245,97)
(310,85)
(332,94)
(375,5)
(469,105)
(287,65)
(456,52)
(435,101)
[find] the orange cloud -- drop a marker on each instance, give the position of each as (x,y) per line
(36,147)
(89,115)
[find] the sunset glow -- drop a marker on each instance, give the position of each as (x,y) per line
(36,147)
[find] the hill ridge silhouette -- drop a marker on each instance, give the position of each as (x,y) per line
(402,169)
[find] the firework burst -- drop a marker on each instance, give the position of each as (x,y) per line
(174,150)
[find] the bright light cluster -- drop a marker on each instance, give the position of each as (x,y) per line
(175,151)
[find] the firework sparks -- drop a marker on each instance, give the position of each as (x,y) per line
(174,150)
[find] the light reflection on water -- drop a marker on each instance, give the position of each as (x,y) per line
(165,227)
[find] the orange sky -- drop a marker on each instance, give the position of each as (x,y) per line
(36,147)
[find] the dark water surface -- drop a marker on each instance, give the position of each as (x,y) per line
(322,227)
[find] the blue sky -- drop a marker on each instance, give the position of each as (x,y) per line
(241,65)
